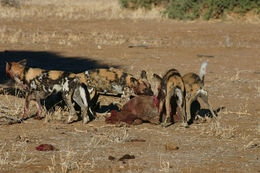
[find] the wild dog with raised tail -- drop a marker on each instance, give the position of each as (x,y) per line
(39,84)
(171,87)
(194,85)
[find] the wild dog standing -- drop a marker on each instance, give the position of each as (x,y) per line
(39,83)
(171,86)
(116,82)
(194,85)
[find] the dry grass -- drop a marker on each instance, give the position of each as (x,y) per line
(164,165)
(11,106)
(15,156)
(66,162)
(71,10)
(70,159)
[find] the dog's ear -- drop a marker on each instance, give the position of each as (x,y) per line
(134,81)
(22,62)
(156,76)
(143,74)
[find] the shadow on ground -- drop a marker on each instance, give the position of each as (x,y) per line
(47,60)
(197,110)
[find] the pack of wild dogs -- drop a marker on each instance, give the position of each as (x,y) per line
(174,96)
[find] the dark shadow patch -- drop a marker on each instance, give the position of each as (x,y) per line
(207,113)
(52,101)
(48,61)
(196,110)
(108,108)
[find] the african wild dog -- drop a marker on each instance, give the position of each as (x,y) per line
(194,85)
(39,83)
(115,82)
(171,88)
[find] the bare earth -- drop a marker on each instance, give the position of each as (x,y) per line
(232,49)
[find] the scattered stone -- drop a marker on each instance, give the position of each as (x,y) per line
(111,158)
(126,157)
(206,56)
(171,147)
(22,139)
(136,140)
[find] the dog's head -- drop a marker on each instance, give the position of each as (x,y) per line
(142,86)
(161,88)
(15,70)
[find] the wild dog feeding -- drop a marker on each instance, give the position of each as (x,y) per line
(114,82)
(171,87)
(39,83)
(194,86)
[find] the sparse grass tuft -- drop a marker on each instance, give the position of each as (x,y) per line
(10,3)
(8,154)
(11,106)
(67,162)
(219,129)
(72,10)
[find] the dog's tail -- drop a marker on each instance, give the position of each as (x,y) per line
(203,71)
(180,96)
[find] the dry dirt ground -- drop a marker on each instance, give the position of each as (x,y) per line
(232,49)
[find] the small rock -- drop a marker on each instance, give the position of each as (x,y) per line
(111,158)
(136,140)
(171,147)
(22,139)
(126,157)
(45,147)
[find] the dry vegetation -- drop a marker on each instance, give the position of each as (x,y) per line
(102,32)
(74,10)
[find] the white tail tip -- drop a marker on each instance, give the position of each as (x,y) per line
(203,70)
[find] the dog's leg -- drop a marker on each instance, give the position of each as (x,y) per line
(167,106)
(67,98)
(189,101)
(78,100)
(188,107)
(181,102)
(39,107)
(160,111)
(83,102)
(94,104)
(204,97)
(26,106)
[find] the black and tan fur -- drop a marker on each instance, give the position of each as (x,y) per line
(115,82)
(39,84)
(194,85)
(171,87)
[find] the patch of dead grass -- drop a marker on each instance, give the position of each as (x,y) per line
(11,106)
(68,161)
(80,9)
(16,155)
(216,127)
